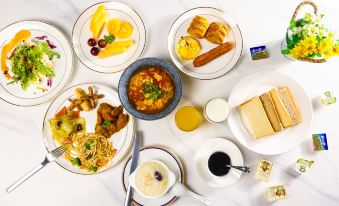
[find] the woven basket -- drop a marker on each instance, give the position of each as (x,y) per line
(295,14)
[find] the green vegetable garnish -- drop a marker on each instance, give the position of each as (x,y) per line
(76,161)
(29,63)
(151,91)
(90,144)
(105,124)
(93,169)
(109,38)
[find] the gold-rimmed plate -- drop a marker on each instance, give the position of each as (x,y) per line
(167,157)
(81,33)
(121,140)
(41,92)
(217,67)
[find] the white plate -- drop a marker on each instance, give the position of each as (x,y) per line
(256,84)
(81,33)
(206,150)
(62,67)
(218,67)
(165,156)
(121,140)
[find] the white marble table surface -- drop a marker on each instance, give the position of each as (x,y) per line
(263,22)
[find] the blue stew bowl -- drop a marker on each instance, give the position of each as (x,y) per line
(145,63)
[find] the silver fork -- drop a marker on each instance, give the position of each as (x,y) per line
(50,157)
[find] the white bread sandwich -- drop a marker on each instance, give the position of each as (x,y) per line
(271,112)
(285,106)
(255,119)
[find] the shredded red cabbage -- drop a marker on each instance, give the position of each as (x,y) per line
(49,81)
(41,37)
(50,44)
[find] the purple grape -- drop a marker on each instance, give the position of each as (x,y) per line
(95,51)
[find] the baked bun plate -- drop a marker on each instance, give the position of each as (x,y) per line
(217,67)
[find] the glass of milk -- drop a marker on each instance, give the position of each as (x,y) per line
(216,110)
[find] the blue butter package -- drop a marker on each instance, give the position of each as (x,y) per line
(258,52)
(319,142)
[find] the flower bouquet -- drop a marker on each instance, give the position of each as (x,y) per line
(308,40)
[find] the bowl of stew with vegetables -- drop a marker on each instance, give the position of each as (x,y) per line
(150,88)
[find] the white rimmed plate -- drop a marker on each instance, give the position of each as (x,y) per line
(256,84)
(81,33)
(165,156)
(121,140)
(13,93)
(206,150)
(218,67)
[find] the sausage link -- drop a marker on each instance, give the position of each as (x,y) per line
(212,54)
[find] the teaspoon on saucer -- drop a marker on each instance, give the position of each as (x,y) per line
(241,168)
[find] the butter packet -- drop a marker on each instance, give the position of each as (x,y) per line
(319,142)
(328,98)
(264,170)
(259,52)
(303,165)
(276,193)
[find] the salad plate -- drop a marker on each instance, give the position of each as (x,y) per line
(114,15)
(256,84)
(219,66)
(36,62)
(121,140)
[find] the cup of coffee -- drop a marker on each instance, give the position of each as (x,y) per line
(217,164)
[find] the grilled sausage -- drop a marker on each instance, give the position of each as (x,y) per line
(212,54)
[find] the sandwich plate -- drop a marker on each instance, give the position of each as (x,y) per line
(255,85)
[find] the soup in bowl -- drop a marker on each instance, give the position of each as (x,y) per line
(150,88)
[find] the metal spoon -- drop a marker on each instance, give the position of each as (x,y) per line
(241,168)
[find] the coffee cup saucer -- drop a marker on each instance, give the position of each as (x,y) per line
(201,162)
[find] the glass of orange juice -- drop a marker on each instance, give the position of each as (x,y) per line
(187,118)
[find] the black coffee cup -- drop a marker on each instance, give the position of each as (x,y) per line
(217,163)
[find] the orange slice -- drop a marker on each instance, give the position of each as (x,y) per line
(113,26)
(125,31)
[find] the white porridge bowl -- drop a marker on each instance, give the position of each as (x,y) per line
(149,184)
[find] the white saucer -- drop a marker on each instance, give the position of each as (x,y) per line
(203,154)
(169,159)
